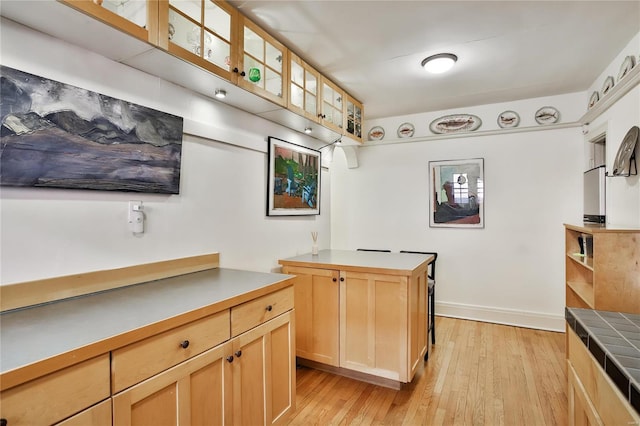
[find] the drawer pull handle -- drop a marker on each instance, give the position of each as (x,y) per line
(269,308)
(238,354)
(185,344)
(230,358)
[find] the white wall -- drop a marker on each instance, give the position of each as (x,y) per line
(623,193)
(221,205)
(512,271)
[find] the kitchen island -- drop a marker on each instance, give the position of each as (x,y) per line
(361,314)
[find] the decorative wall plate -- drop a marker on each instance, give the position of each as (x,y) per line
(508,119)
(406,130)
(376,133)
(547,115)
(455,123)
(628,63)
(593,99)
(622,163)
(608,85)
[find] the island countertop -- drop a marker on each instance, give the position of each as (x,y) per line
(68,331)
(362,261)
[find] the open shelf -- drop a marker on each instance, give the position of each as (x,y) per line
(582,260)
(583,291)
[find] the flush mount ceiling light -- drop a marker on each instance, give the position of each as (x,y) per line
(437,64)
(221,94)
(308,130)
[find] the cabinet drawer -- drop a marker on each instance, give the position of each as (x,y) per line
(251,314)
(141,360)
(58,395)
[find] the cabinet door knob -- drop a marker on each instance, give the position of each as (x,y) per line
(235,70)
(334,279)
(243,73)
(269,308)
(230,358)
(238,354)
(3,422)
(184,344)
(341,278)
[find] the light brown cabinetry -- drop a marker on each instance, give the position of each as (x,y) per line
(201,32)
(56,396)
(246,380)
(353,118)
(604,273)
(303,88)
(136,18)
(593,398)
(367,322)
(332,106)
(317,295)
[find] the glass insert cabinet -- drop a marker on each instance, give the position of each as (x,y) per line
(216,37)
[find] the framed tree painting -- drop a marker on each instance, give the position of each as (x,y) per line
(456,193)
(293,179)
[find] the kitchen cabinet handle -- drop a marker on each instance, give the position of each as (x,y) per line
(322,116)
(184,344)
(230,358)
(235,70)
(334,279)
(238,354)
(3,422)
(269,308)
(243,73)
(341,278)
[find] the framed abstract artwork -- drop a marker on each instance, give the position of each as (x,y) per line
(60,136)
(456,193)
(293,178)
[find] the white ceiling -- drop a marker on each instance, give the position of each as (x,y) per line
(507,50)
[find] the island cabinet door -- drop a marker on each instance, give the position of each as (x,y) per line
(197,391)
(317,302)
(374,324)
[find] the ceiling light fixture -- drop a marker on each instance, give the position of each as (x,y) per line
(221,94)
(308,130)
(437,64)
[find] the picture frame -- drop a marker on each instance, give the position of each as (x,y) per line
(457,193)
(293,177)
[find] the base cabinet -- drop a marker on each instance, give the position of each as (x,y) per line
(593,397)
(371,323)
(247,380)
(317,296)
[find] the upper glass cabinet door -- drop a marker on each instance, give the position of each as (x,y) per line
(303,88)
(200,31)
(138,18)
(353,118)
(332,106)
(262,67)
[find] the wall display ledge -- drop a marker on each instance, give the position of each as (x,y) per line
(536,320)
(630,81)
(474,134)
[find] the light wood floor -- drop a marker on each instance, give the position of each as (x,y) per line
(477,374)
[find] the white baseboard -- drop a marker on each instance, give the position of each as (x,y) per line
(525,319)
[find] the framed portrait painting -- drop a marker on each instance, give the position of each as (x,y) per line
(456,193)
(293,187)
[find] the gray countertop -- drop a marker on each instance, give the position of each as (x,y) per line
(405,262)
(613,338)
(37,333)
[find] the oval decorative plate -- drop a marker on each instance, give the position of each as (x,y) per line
(508,119)
(547,115)
(376,133)
(406,130)
(593,99)
(455,123)
(626,66)
(608,84)
(622,163)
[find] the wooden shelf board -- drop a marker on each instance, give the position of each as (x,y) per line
(583,291)
(586,262)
